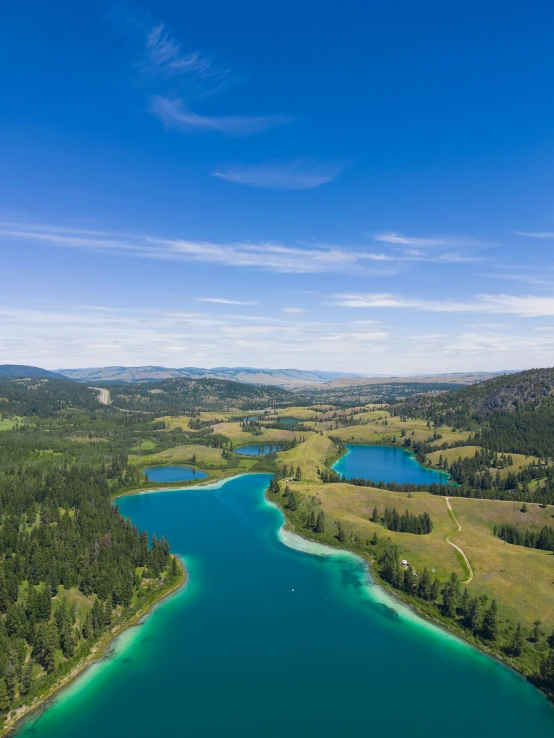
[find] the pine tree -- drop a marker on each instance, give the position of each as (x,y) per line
(450,595)
(320,524)
(489,629)
(67,641)
(408,582)
(435,590)
(292,504)
(26,678)
(87,629)
(424,585)
(472,620)
(547,669)
(4,698)
(516,646)
(3,591)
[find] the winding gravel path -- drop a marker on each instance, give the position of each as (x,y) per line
(447,539)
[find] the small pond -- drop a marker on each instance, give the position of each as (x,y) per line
(259,449)
(386,464)
(173,473)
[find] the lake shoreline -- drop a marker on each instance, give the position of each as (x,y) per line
(398,596)
(444,476)
(98,652)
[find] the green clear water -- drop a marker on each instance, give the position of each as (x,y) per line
(258,449)
(386,464)
(173,473)
(267,641)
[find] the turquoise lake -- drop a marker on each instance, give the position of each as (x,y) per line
(258,449)
(173,473)
(386,464)
(267,641)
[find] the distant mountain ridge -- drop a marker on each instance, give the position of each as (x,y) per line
(287,378)
(296,379)
(22,370)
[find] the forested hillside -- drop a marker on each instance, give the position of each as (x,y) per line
(43,397)
(513,413)
(71,567)
(23,370)
(181,396)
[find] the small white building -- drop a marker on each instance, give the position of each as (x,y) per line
(403,562)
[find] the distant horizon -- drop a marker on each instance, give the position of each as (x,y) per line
(172,195)
(264,369)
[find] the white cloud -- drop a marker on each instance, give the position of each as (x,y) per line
(302,174)
(539,234)
(75,335)
(267,256)
(174,114)
(397,239)
(527,306)
(223,301)
(293,310)
(166,56)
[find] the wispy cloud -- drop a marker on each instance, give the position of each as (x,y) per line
(174,114)
(539,234)
(527,306)
(302,174)
(55,335)
(179,77)
(165,57)
(265,255)
(49,334)
(223,301)
(397,239)
(294,310)
(446,249)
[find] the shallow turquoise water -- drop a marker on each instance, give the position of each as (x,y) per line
(258,449)
(267,641)
(173,473)
(386,464)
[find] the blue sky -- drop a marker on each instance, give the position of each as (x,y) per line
(353,186)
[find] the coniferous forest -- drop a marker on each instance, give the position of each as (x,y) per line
(71,567)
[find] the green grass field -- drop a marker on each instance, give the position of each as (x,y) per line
(521,579)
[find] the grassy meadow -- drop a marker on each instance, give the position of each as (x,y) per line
(520,579)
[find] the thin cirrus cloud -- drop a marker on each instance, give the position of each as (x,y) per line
(397,239)
(165,58)
(266,256)
(539,234)
(526,306)
(223,301)
(302,174)
(179,76)
(173,113)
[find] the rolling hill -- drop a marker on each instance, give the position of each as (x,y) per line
(22,370)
